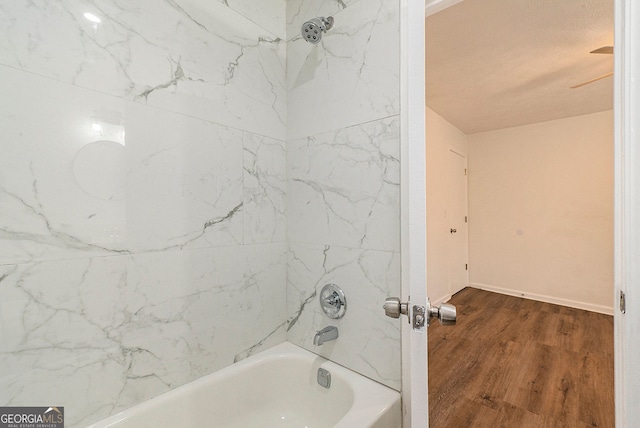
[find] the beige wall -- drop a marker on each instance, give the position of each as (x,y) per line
(541,211)
(441,136)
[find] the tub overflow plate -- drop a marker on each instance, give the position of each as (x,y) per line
(324,378)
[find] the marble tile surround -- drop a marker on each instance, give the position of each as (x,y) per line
(344,187)
(343,215)
(265,183)
(343,172)
(145,183)
(368,342)
(97,335)
(269,14)
(132,239)
(134,234)
(76,186)
(197,58)
(352,76)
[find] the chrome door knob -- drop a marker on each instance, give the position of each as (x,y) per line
(393,308)
(446,313)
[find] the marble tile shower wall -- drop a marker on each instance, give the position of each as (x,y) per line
(142,196)
(343,173)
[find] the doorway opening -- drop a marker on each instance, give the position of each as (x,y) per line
(499,78)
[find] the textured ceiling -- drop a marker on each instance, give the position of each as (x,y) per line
(495,64)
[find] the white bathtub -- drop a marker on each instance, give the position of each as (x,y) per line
(275,388)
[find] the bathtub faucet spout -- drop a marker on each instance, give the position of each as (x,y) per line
(325,335)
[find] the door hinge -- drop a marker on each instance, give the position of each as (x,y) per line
(465,219)
(466,266)
(623,302)
(465,171)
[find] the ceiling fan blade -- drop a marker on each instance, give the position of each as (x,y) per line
(603,50)
(593,80)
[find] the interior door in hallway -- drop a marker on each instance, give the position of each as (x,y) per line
(458,221)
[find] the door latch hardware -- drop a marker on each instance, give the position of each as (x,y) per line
(623,302)
(418,317)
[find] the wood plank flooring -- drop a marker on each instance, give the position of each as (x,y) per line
(518,363)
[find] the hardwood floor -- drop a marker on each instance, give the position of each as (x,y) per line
(517,363)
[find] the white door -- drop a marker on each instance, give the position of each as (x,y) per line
(627,212)
(458,230)
(415,398)
(413,212)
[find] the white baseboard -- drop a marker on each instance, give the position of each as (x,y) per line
(608,310)
(442,299)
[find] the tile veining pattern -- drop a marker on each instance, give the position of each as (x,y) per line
(154,224)
(343,172)
(142,196)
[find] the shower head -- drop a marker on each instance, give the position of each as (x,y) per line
(312,29)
